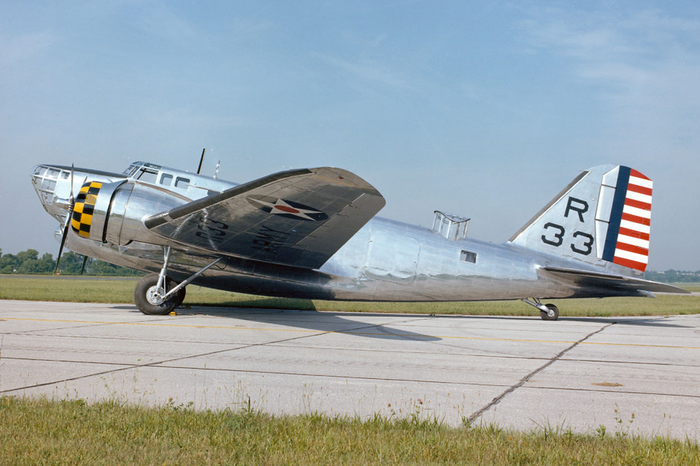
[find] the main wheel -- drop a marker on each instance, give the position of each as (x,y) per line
(552,312)
(148,297)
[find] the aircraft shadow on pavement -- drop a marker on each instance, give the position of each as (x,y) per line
(641,321)
(281,311)
(646,321)
(311,319)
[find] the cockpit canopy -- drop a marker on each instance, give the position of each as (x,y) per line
(136,167)
(191,185)
(155,174)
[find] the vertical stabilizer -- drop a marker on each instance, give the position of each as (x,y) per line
(601,217)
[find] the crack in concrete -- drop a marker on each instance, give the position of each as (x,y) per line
(477,414)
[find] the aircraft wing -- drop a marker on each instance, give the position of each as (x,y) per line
(297,217)
(619,284)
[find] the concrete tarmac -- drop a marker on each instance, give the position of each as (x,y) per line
(630,375)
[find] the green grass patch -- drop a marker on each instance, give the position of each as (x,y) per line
(120,290)
(38,431)
(70,289)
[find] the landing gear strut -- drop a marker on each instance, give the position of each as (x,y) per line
(159,294)
(547,311)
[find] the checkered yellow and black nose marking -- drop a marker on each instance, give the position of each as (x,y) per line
(84,208)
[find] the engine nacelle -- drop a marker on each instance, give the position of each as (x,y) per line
(114,212)
(92,209)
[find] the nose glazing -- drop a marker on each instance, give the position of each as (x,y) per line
(52,185)
(44,180)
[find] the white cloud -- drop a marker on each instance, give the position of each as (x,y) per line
(162,21)
(623,50)
(23,47)
(646,64)
(368,71)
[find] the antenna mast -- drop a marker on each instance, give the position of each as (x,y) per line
(201,160)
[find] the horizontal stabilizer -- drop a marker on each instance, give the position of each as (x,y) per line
(619,285)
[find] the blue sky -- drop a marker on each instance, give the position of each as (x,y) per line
(485,110)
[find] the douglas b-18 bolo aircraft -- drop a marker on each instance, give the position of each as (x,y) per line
(312,233)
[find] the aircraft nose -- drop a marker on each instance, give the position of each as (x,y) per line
(44,179)
(52,185)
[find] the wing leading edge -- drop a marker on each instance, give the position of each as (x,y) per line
(298,217)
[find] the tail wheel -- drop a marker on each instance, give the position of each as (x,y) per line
(552,312)
(148,297)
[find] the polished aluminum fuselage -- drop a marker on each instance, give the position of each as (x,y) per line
(384,261)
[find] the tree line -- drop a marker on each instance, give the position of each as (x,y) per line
(673,276)
(29,263)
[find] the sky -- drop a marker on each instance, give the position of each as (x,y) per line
(481,109)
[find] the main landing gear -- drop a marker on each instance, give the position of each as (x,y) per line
(158,294)
(149,295)
(547,311)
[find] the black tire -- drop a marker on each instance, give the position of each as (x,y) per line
(180,295)
(148,308)
(554,311)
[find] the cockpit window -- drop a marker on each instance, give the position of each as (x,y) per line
(148,176)
(130,171)
(133,170)
(182,183)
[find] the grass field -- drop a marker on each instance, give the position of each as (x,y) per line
(120,290)
(37,431)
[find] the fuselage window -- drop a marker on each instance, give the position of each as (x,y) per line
(468,256)
(166,179)
(182,183)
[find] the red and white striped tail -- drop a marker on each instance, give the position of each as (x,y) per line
(628,245)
